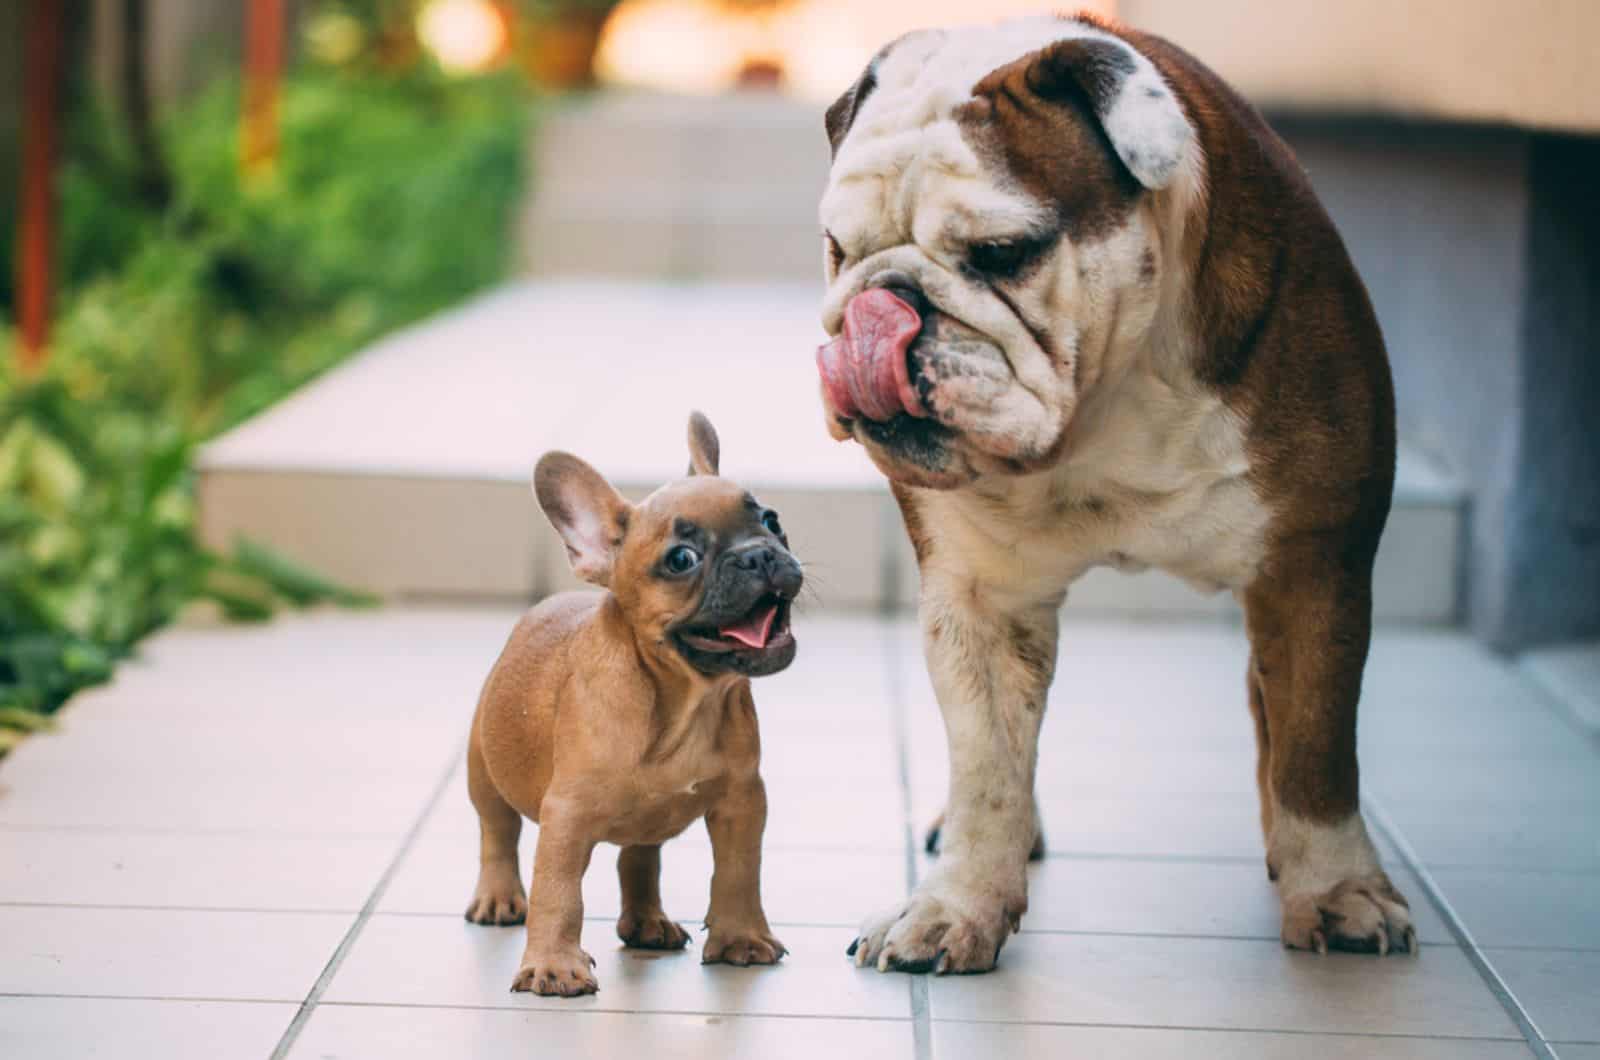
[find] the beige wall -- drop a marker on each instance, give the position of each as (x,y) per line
(1535,63)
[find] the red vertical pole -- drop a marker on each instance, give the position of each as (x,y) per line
(36,213)
(263,66)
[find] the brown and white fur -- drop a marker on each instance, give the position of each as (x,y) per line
(1143,345)
(625,716)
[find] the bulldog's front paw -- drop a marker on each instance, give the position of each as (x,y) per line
(1363,914)
(754,946)
(945,927)
(559,973)
(651,931)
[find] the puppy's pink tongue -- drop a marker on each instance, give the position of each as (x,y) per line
(754,630)
(864,370)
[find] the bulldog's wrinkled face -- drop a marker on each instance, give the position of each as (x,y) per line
(700,569)
(993,225)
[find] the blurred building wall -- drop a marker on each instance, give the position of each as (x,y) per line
(1480,247)
(1528,64)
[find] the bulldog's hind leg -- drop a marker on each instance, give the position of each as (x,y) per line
(1310,622)
(498,898)
(643,923)
(991,666)
(1258,714)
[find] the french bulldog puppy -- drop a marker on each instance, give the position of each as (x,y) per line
(624,716)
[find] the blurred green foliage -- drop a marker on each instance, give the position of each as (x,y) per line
(390,199)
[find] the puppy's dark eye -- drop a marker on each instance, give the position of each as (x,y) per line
(681,560)
(769,519)
(1003,259)
(835,251)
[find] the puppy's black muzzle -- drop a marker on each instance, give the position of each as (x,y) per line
(760,570)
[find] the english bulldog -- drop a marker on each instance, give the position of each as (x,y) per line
(1085,309)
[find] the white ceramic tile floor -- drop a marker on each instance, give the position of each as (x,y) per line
(373,1032)
(165,953)
(959,1039)
(80,1028)
(1559,987)
(181,861)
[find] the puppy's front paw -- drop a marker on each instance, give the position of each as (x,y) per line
(498,902)
(651,931)
(562,973)
(1363,914)
(756,946)
(945,927)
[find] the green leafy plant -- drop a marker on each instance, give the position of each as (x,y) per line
(391,199)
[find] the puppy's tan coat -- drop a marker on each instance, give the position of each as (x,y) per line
(625,716)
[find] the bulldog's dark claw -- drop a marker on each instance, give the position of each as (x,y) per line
(916,967)
(851,952)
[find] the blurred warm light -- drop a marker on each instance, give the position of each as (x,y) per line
(699,46)
(334,37)
(463,35)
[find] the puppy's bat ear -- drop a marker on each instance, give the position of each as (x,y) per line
(1138,110)
(586,511)
(705,452)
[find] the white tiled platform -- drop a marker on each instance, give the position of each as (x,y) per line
(407,469)
(258,840)
(731,190)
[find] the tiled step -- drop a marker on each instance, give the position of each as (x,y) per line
(407,469)
(660,187)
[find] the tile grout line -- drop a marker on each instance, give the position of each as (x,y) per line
(1480,962)
(1557,702)
(921,1024)
(318,988)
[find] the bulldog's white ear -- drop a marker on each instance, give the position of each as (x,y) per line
(586,511)
(842,112)
(705,452)
(841,115)
(1137,108)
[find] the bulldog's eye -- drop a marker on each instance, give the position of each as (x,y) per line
(769,519)
(1003,258)
(681,560)
(835,251)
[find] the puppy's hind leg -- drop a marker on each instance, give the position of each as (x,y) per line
(643,922)
(499,898)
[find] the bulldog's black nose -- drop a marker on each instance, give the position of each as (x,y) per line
(903,287)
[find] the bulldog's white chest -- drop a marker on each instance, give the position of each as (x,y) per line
(1153,477)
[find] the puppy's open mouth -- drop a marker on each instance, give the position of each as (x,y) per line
(763,627)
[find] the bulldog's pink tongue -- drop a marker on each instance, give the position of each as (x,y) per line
(754,630)
(864,370)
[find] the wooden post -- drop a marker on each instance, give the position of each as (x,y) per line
(36,229)
(263,68)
